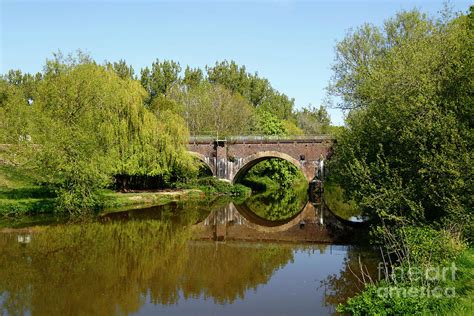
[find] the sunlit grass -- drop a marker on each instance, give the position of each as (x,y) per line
(19,194)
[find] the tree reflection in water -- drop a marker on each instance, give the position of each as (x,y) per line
(130,259)
(278,204)
(348,282)
(105,268)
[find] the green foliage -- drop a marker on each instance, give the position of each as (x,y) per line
(256,90)
(160,78)
(212,185)
(211,109)
(282,189)
(335,199)
(15,112)
(25,82)
(86,125)
(422,246)
(278,204)
(369,302)
(292,129)
(405,292)
(230,75)
(260,183)
(313,121)
(192,77)
(122,70)
(278,104)
(268,124)
(229,100)
(273,173)
(428,246)
(406,152)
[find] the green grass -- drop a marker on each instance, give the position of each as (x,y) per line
(464,284)
(427,249)
(19,194)
(260,184)
(214,186)
(116,200)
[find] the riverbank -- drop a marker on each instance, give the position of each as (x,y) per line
(117,200)
(428,271)
(21,195)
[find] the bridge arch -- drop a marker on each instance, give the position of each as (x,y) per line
(250,161)
(205,160)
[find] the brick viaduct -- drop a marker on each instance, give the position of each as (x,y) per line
(231,158)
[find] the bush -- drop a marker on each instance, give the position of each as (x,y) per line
(407,287)
(215,186)
(406,152)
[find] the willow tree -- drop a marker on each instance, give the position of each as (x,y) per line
(91,125)
(14,111)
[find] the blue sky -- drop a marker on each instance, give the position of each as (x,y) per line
(289,42)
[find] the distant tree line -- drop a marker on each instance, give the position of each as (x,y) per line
(224,99)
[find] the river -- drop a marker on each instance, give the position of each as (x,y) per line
(218,257)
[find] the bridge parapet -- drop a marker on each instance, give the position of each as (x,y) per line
(262,138)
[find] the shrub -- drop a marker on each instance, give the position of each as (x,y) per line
(214,185)
(403,292)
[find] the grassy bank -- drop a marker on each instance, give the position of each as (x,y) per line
(21,195)
(464,284)
(429,272)
(213,186)
(122,200)
(260,184)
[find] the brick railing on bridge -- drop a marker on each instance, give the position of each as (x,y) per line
(261,138)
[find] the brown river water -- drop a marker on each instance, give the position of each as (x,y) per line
(189,258)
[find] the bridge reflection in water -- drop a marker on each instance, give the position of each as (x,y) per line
(315,223)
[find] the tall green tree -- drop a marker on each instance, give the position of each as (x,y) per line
(15,111)
(160,78)
(313,120)
(268,124)
(25,82)
(192,77)
(122,70)
(407,150)
(231,76)
(256,90)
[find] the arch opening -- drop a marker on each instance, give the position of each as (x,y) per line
(279,185)
(252,160)
(205,166)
